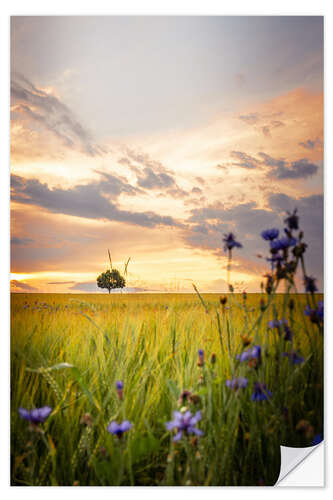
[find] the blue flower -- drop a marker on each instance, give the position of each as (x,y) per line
(283,243)
(317,439)
(230,242)
(201,354)
(119,387)
(270,234)
(316,315)
(184,423)
(310,284)
(260,393)
(294,357)
(36,416)
(119,429)
(237,383)
(252,353)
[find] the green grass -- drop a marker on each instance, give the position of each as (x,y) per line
(67,351)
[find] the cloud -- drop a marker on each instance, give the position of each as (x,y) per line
(300,169)
(91,287)
(152,175)
(44,108)
(91,201)
(250,118)
(311,144)
(277,124)
(151,180)
(244,160)
(21,286)
(279,167)
(196,190)
(60,282)
(207,225)
(266,131)
(86,286)
(21,241)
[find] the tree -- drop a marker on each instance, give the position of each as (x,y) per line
(111,279)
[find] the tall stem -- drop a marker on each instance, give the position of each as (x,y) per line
(229,267)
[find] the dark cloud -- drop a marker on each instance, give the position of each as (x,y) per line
(52,114)
(152,175)
(151,180)
(272,162)
(311,144)
(244,160)
(21,241)
(280,168)
(300,169)
(95,200)
(22,287)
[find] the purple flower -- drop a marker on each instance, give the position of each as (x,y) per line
(36,416)
(184,423)
(276,323)
(237,383)
(119,429)
(260,393)
(294,357)
(270,234)
(283,243)
(310,284)
(281,325)
(252,353)
(230,242)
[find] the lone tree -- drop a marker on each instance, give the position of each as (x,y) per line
(111,279)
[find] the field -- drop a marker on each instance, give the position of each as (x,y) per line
(68,352)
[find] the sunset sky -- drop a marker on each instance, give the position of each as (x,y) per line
(154,136)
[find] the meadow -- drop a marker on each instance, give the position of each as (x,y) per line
(98,358)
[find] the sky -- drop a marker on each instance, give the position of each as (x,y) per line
(155,136)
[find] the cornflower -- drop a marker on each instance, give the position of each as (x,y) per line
(184,423)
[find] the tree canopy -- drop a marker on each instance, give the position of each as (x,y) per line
(110,280)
